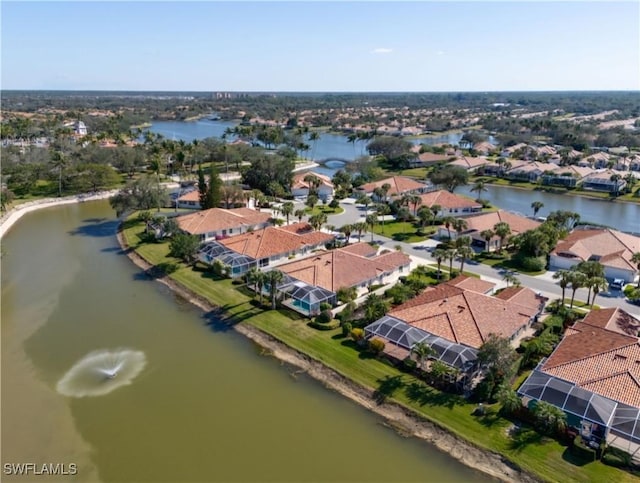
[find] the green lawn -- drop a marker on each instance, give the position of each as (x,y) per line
(403,231)
(324,209)
(544,457)
(505,262)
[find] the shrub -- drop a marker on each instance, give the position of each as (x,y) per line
(323,317)
(376,345)
(168,267)
(409,364)
(616,457)
(325,306)
(346,328)
(531,264)
(334,204)
(581,450)
(357,334)
(334,324)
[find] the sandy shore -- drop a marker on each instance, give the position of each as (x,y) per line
(397,416)
(12,216)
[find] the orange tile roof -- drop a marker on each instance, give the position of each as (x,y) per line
(399,185)
(613,248)
(340,268)
(486,221)
(447,200)
(599,356)
(469,162)
(362,249)
(272,241)
(298,181)
(472,283)
(217,219)
(190,196)
(433,158)
(463,316)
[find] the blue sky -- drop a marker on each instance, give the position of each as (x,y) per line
(321,46)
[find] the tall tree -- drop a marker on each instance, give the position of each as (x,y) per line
(422,351)
(565,279)
(360,227)
(536,206)
(59,162)
(371,220)
(487,235)
(450,177)
(287,209)
(502,230)
(479,187)
(214,189)
(274,277)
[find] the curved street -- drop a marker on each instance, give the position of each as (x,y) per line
(541,283)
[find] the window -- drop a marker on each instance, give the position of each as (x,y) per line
(264,262)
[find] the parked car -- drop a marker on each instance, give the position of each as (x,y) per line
(616,284)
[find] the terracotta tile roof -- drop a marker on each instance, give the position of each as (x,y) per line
(190,196)
(399,185)
(524,297)
(217,219)
(462,316)
(470,163)
(362,249)
(486,221)
(614,319)
(339,268)
(272,241)
(598,359)
(612,248)
(447,200)
(433,158)
(298,181)
(472,283)
(533,167)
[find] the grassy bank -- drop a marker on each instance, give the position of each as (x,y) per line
(534,453)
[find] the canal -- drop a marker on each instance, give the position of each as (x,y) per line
(207,406)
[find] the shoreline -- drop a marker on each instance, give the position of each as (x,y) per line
(400,418)
(14,214)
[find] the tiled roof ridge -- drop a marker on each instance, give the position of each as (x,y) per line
(586,320)
(591,356)
(438,315)
(473,316)
(611,376)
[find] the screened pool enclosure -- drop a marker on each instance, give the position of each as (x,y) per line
(406,336)
(302,297)
(235,263)
(581,405)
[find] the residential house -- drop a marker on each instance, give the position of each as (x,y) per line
(597,160)
(593,375)
(471,164)
(352,266)
(428,159)
(398,186)
(220,223)
(611,248)
(300,188)
(456,321)
(476,224)
(530,172)
(484,148)
(602,181)
(567,176)
(498,169)
(277,243)
(450,204)
(507,152)
(190,200)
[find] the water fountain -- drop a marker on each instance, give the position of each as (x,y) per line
(101,372)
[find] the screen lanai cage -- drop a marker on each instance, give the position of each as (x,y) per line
(406,336)
(581,405)
(236,263)
(303,297)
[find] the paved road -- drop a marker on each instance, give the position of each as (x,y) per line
(542,283)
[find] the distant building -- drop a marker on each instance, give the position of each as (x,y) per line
(219,223)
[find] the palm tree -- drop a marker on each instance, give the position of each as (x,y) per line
(440,254)
(487,235)
(510,278)
(287,209)
(359,227)
(346,229)
(299,214)
(314,136)
(593,271)
(312,201)
(450,254)
(371,220)
(422,351)
(565,279)
(597,284)
(366,201)
(435,209)
(273,278)
(635,258)
(257,278)
(464,252)
(503,230)
(536,206)
(314,183)
(551,418)
(447,221)
(479,187)
(616,183)
(415,200)
(316,221)
(578,280)
(382,210)
(459,225)
(424,216)
(59,162)
(509,400)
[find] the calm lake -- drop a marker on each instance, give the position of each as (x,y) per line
(206,407)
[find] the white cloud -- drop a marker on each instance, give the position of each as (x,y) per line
(381,50)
